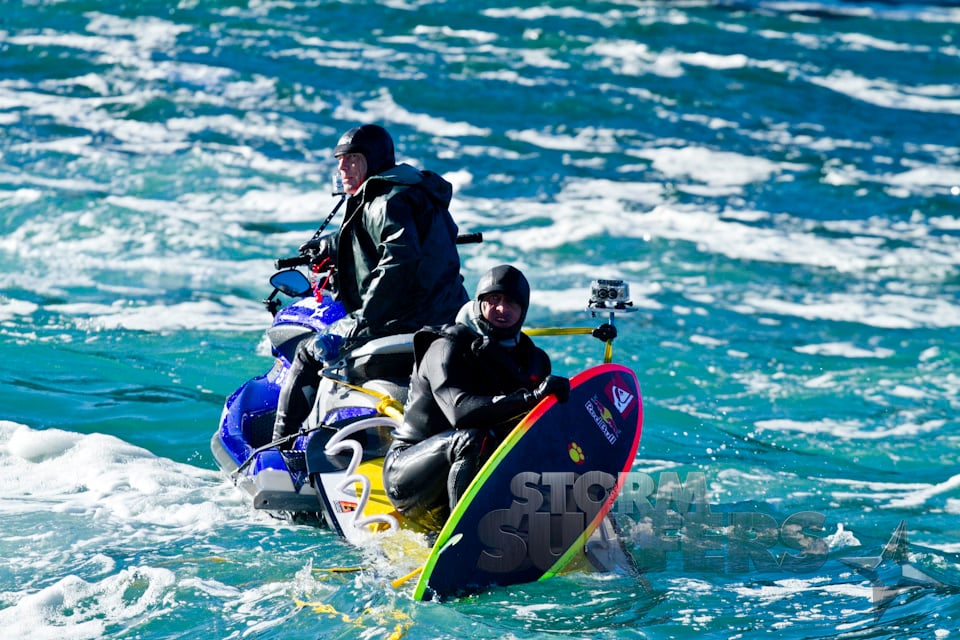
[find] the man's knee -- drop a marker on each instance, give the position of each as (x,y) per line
(467,443)
(306,355)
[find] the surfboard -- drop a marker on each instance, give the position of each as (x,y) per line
(543,491)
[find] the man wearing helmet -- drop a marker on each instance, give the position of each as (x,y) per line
(398,268)
(471,383)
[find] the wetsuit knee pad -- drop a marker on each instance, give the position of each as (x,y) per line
(416,475)
(309,353)
(466,444)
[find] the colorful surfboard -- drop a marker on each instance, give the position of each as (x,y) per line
(544,490)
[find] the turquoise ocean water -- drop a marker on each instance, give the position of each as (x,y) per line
(778,182)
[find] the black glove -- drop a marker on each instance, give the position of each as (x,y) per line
(318,248)
(553,385)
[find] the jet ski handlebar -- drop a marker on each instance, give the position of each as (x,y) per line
(295,261)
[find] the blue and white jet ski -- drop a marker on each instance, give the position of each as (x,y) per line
(331,475)
(357,404)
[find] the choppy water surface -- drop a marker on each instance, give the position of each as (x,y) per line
(778,182)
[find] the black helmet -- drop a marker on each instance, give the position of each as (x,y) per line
(508,280)
(373,142)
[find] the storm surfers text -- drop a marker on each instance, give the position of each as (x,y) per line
(658,520)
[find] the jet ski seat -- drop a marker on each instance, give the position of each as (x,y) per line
(387,358)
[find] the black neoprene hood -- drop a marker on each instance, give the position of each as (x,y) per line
(373,142)
(508,280)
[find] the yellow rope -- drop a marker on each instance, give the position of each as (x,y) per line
(401,620)
(339,570)
(321,607)
(399,582)
(387,405)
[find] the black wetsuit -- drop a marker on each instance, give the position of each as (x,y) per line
(466,393)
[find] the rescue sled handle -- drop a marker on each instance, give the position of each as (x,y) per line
(606,296)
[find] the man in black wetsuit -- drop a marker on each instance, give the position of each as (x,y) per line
(472,382)
(398,268)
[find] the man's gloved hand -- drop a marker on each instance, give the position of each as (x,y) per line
(326,347)
(553,385)
(318,248)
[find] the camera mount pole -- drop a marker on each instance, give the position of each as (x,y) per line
(323,225)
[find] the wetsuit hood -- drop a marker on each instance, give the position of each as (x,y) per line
(371,141)
(508,280)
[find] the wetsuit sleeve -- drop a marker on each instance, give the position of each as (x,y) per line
(456,392)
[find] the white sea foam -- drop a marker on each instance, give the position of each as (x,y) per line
(701,170)
(789,588)
(864,42)
(229,313)
(714,61)
(10,308)
(852,430)
(82,497)
(841,538)
(100,474)
(921,496)
(843,350)
(473,35)
(895,495)
(535,14)
(886,311)
(249,125)
(632,58)
(18,196)
(148,32)
(383,108)
(950,223)
(94,507)
(588,139)
(884,93)
(77,609)
(274,204)
(715,168)
(925,176)
(789,242)
(585,210)
(334,54)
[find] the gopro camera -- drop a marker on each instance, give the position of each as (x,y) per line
(610,295)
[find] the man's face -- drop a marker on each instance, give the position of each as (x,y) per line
(353,171)
(500,310)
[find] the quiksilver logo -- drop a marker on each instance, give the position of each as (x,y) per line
(621,398)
